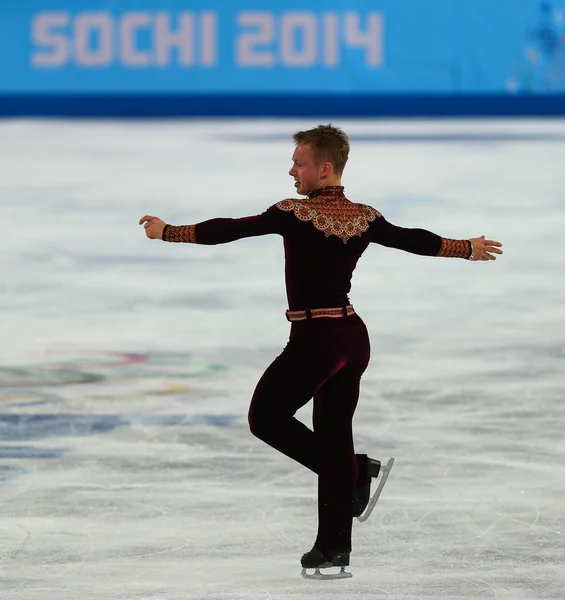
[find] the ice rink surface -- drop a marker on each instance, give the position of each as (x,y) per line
(126,365)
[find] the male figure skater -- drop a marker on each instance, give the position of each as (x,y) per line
(324,236)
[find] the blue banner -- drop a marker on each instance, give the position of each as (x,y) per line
(282,47)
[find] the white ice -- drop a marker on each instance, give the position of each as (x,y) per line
(126,466)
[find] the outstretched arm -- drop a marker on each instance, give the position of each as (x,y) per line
(426,243)
(213,231)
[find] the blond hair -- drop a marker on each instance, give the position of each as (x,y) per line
(329,144)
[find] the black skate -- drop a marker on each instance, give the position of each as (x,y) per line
(316,560)
(371,470)
(363,498)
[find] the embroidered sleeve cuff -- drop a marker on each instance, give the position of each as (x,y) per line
(180,233)
(455,248)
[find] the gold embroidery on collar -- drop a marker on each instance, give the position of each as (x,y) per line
(339,217)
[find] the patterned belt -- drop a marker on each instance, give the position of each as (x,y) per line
(317,313)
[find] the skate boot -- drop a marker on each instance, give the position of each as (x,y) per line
(367,471)
(316,560)
(363,501)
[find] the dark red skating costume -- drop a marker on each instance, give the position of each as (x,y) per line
(324,237)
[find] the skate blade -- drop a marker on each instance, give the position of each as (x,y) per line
(343,574)
(385,471)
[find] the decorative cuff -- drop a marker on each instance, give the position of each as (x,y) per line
(180,233)
(455,248)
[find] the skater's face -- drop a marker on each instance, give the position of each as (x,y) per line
(307,173)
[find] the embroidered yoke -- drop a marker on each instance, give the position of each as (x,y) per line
(324,237)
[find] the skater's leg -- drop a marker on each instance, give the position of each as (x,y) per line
(334,407)
(287,385)
(315,353)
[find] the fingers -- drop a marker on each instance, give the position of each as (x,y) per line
(492,247)
(148,221)
(488,253)
(485,250)
(153,226)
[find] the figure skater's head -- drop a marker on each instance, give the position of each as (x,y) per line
(319,158)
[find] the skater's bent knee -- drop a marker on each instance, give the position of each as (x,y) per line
(262,422)
(258,423)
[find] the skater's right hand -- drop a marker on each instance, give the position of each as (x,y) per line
(153,227)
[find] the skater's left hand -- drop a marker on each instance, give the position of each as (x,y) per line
(153,227)
(485,249)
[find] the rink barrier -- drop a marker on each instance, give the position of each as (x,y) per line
(346,58)
(269,105)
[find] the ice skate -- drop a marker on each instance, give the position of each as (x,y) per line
(315,560)
(369,468)
(364,504)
